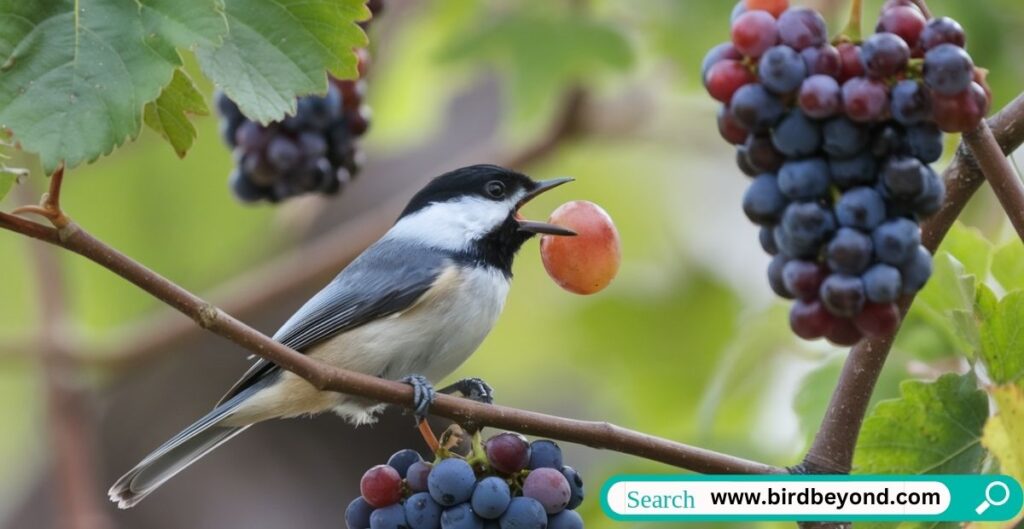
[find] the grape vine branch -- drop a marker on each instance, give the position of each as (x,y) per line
(831,451)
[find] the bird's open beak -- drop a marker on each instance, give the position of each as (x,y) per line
(533,226)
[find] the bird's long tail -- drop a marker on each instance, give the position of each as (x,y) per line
(176,454)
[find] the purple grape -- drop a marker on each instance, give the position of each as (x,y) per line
(781,69)
(575,487)
(948,69)
(775,277)
(403,459)
(844,138)
(903,178)
(763,202)
(804,179)
(417,474)
(422,512)
(357,514)
(721,52)
(896,241)
(924,142)
(861,207)
(549,487)
(801,28)
(508,452)
(755,108)
(931,200)
(852,172)
(797,135)
(916,271)
(882,284)
(884,54)
(823,60)
(767,239)
(843,295)
(390,517)
(820,96)
(910,102)
(849,252)
(524,513)
(942,30)
(566,520)
(803,278)
(545,453)
(865,100)
(461,516)
(491,498)
(806,226)
(761,153)
(451,482)
(283,154)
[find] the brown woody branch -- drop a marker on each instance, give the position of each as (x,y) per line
(832,450)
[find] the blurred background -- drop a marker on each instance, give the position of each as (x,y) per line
(689,343)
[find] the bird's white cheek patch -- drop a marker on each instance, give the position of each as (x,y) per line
(453,225)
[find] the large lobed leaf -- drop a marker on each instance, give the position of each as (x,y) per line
(1002,340)
(275,51)
(933,428)
(73,84)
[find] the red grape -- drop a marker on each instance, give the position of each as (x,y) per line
(820,97)
(865,100)
(725,77)
(801,28)
(508,452)
(586,263)
(962,112)
(878,320)
(381,486)
(905,21)
(844,333)
(775,7)
(884,55)
(549,487)
(942,30)
(762,154)
(719,53)
(850,65)
(803,278)
(730,130)
(809,320)
(754,32)
(823,60)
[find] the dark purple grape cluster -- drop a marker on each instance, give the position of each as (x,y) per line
(507,483)
(838,138)
(312,151)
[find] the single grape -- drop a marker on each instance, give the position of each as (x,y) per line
(422,512)
(461,516)
(924,141)
(730,130)
(882,283)
(755,108)
(575,487)
(942,30)
(810,320)
(491,497)
(850,65)
(803,278)
(806,225)
(775,280)
(910,102)
(884,55)
(878,320)
(549,487)
(860,207)
(888,140)
(737,10)
(916,271)
(725,78)
(767,239)
(403,459)
(823,60)
(775,7)
(849,252)
(508,452)
(381,486)
(801,28)
(804,179)
(820,96)
(844,138)
(524,513)
(781,69)
(843,295)
(865,100)
(906,22)
(357,514)
(743,162)
(566,520)
(797,135)
(390,517)
(962,112)
(545,453)
(754,32)
(843,333)
(896,241)
(283,154)
(417,474)
(762,154)
(251,136)
(584,264)
(903,177)
(312,145)
(717,54)
(852,172)
(243,187)
(948,69)
(451,482)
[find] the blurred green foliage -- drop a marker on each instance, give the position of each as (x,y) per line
(687,343)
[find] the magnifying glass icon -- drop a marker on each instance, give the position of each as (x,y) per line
(989,502)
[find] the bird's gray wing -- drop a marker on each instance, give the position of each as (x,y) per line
(386,279)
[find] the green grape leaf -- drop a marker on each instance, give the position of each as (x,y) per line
(1004,432)
(168,115)
(933,428)
(542,55)
(970,247)
(1002,340)
(185,23)
(73,84)
(6,183)
(276,51)
(1008,266)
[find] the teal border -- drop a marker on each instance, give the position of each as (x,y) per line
(1017,496)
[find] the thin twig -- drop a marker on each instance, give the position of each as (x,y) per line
(999,173)
(325,377)
(833,445)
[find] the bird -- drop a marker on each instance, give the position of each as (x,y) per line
(412,307)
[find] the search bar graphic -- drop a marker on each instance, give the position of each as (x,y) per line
(813,498)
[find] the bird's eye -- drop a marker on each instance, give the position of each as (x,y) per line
(495,189)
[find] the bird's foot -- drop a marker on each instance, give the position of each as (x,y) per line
(471,388)
(423,394)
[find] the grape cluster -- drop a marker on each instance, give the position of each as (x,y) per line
(312,151)
(508,483)
(838,138)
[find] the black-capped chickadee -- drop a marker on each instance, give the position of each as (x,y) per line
(412,307)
